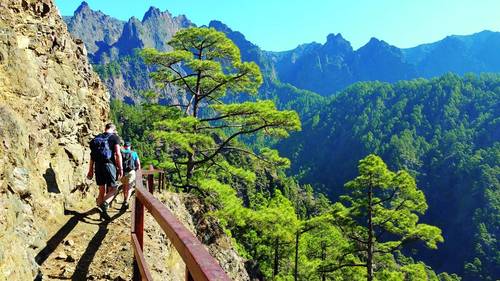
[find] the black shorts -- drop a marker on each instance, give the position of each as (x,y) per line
(106,174)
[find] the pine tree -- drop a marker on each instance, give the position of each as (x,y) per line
(381,216)
(204,66)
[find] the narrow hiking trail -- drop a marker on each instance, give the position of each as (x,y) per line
(87,248)
(84,247)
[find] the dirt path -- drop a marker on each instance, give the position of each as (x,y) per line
(87,248)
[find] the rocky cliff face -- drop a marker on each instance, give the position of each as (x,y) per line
(154,31)
(51,103)
(194,214)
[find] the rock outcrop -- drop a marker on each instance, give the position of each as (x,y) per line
(51,103)
(194,215)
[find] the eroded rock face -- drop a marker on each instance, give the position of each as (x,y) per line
(194,214)
(51,103)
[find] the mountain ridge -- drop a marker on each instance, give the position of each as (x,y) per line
(323,68)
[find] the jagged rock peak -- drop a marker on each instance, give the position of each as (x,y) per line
(131,36)
(375,41)
(84,7)
(183,19)
(334,37)
(336,41)
(154,12)
(377,44)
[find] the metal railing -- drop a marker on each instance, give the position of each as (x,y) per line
(200,265)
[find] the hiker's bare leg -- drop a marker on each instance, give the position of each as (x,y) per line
(111,192)
(130,189)
(100,197)
(125,192)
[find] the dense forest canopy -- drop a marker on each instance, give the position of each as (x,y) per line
(444,131)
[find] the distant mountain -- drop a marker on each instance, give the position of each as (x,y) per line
(377,60)
(111,46)
(126,75)
(249,51)
(330,67)
(94,27)
(476,53)
(327,68)
(317,67)
(285,95)
(321,68)
(155,30)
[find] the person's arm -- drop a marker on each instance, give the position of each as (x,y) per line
(118,160)
(90,173)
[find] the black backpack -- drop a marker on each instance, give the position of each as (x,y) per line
(100,149)
(128,161)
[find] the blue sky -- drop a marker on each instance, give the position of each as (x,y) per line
(278,25)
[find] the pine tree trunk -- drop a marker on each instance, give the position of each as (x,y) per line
(296,269)
(369,259)
(190,162)
(276,259)
(323,258)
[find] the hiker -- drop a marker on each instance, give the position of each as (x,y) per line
(131,163)
(106,161)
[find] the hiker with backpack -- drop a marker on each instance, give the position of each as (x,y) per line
(106,163)
(131,163)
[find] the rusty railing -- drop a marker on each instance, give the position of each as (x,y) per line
(200,265)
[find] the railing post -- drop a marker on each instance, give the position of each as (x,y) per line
(138,229)
(151,179)
(189,277)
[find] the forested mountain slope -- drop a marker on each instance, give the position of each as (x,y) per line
(446,131)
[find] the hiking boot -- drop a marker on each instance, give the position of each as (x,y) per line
(104,211)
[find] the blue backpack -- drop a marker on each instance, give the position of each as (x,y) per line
(99,148)
(128,161)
